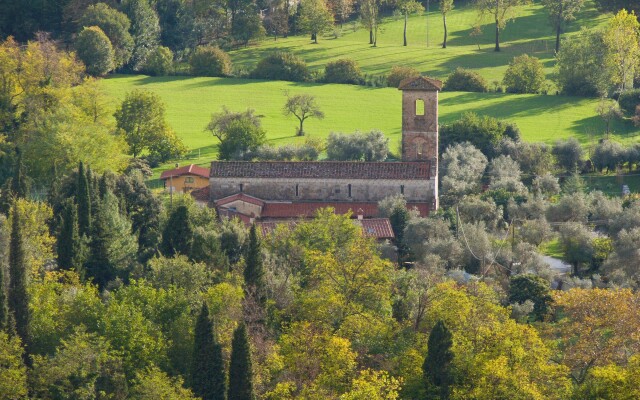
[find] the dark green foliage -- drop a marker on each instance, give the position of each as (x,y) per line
(465,80)
(399,73)
(254,269)
(534,288)
(247,26)
(568,154)
(83,199)
(616,5)
(18,299)
(524,75)
(115,25)
(483,132)
(437,368)
(240,372)
(160,62)
(177,23)
(145,30)
(95,50)
(240,137)
(358,146)
(210,61)
(19,183)
(282,66)
(399,219)
(178,233)
(69,245)
(343,71)
(207,373)
(629,100)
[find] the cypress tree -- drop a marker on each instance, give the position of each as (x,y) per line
(19,185)
(437,368)
(207,371)
(399,219)
(69,244)
(83,198)
(4,311)
(254,269)
(178,233)
(240,372)
(18,297)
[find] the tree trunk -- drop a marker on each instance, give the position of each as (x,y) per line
(370,35)
(444,21)
(300,131)
(497,37)
(558,29)
(405,28)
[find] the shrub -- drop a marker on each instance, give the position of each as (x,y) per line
(399,73)
(524,75)
(160,62)
(283,66)
(629,100)
(95,51)
(370,146)
(465,80)
(343,71)
(210,61)
(483,132)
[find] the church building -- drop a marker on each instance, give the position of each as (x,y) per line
(274,190)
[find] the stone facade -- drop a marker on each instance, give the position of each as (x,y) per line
(415,177)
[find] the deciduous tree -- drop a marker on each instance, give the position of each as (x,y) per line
(561,12)
(445,7)
(501,11)
(315,18)
(621,39)
(407,7)
(302,106)
(95,50)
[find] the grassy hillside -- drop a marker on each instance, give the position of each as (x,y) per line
(190,102)
(529,33)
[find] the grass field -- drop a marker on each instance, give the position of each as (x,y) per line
(190,102)
(529,33)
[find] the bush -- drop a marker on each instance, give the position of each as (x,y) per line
(343,71)
(483,132)
(399,73)
(160,62)
(629,100)
(524,75)
(370,146)
(465,80)
(282,66)
(95,51)
(210,61)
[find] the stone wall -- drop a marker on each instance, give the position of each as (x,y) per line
(419,132)
(324,189)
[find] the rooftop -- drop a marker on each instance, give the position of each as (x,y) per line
(186,170)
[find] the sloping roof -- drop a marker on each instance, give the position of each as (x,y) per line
(201,194)
(186,170)
(321,169)
(420,83)
(277,210)
(379,228)
(241,197)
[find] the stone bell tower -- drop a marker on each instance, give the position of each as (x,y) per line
(420,124)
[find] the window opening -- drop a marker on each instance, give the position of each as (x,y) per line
(419,107)
(349,187)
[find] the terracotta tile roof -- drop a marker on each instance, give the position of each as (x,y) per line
(228,213)
(420,83)
(239,196)
(378,228)
(201,194)
(308,209)
(321,169)
(186,170)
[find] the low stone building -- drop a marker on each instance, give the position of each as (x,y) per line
(270,190)
(185,179)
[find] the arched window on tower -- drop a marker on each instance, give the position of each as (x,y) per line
(419,107)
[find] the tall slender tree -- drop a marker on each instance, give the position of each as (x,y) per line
(254,269)
(19,184)
(178,233)
(437,368)
(445,7)
(561,12)
(240,372)
(407,7)
(69,243)
(501,11)
(207,371)
(18,296)
(83,199)
(4,311)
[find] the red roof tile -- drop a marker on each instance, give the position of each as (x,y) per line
(379,228)
(321,169)
(186,170)
(420,83)
(201,194)
(308,209)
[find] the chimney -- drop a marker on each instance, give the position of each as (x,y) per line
(360,214)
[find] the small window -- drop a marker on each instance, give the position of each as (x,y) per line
(297,191)
(401,189)
(242,187)
(419,107)
(349,188)
(188,179)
